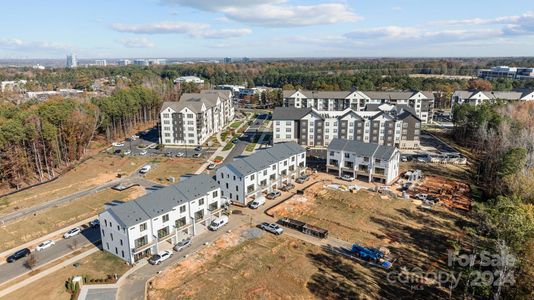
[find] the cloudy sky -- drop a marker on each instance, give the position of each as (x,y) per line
(266,28)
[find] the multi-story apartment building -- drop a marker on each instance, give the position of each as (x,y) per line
(422,103)
(158,220)
(392,126)
(506,72)
(476,97)
(365,161)
(247,178)
(196,117)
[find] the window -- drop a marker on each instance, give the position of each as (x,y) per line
(264,172)
(166,122)
(347,155)
(140,241)
(288,123)
(180,222)
(116,251)
(166,128)
(111,235)
(120,241)
(250,189)
(288,129)
(122,252)
(201,201)
(163,232)
(366,159)
(165,218)
(165,115)
(377,160)
(288,136)
(182,209)
(107,245)
(190,116)
(252,177)
(142,227)
(273,167)
(215,194)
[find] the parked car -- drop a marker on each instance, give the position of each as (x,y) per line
(127,152)
(145,169)
(235,141)
(287,187)
(257,202)
(118,151)
(218,223)
(197,155)
(119,187)
(180,154)
(273,195)
(181,245)
(45,245)
(198,148)
(302,179)
(347,178)
(118,144)
(212,166)
(94,223)
(143,152)
(157,259)
(272,228)
(18,255)
(72,232)
(134,137)
(421,197)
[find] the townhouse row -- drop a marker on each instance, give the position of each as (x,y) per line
(158,220)
(197,116)
(385,125)
(422,102)
(476,97)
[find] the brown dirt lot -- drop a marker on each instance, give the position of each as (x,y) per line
(97,266)
(172,167)
(50,220)
(93,172)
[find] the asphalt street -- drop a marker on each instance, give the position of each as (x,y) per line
(253,132)
(60,249)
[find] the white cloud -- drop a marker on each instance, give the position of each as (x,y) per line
(274,13)
(159,28)
(22,45)
(136,43)
(525,18)
(192,29)
(384,32)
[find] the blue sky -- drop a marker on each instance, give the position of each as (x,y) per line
(266,28)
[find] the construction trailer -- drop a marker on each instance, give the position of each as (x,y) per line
(304,228)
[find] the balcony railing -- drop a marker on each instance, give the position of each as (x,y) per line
(143,247)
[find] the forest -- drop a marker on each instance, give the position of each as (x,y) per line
(38,138)
(502,136)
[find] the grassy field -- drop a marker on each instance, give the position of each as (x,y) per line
(172,167)
(250,147)
(236,124)
(50,220)
(228,147)
(93,172)
(97,266)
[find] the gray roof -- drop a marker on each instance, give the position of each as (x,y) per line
(390,95)
(363,149)
(262,159)
(161,201)
(319,94)
(494,95)
(396,95)
(194,101)
(290,113)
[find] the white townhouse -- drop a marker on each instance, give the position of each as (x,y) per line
(158,220)
(364,161)
(189,79)
(387,125)
(476,97)
(195,118)
(247,178)
(422,102)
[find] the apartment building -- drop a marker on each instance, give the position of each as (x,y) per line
(157,221)
(506,72)
(392,126)
(196,117)
(365,161)
(422,103)
(247,178)
(189,79)
(476,97)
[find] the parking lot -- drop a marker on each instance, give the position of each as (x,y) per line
(146,141)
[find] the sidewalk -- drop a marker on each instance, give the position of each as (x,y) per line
(47,272)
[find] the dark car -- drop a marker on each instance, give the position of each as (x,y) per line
(18,255)
(287,187)
(198,148)
(302,179)
(118,151)
(273,195)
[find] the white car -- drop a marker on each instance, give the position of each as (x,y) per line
(145,169)
(72,232)
(272,228)
(421,197)
(118,144)
(159,258)
(134,137)
(347,178)
(180,154)
(212,166)
(45,245)
(127,152)
(143,152)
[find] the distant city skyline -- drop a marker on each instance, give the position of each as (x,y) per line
(266,28)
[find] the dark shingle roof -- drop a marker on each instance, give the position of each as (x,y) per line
(290,113)
(363,149)
(161,201)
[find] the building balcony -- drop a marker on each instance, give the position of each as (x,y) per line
(144,247)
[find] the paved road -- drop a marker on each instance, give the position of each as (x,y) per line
(253,132)
(61,248)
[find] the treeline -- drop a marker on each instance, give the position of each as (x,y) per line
(38,138)
(126,108)
(502,135)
